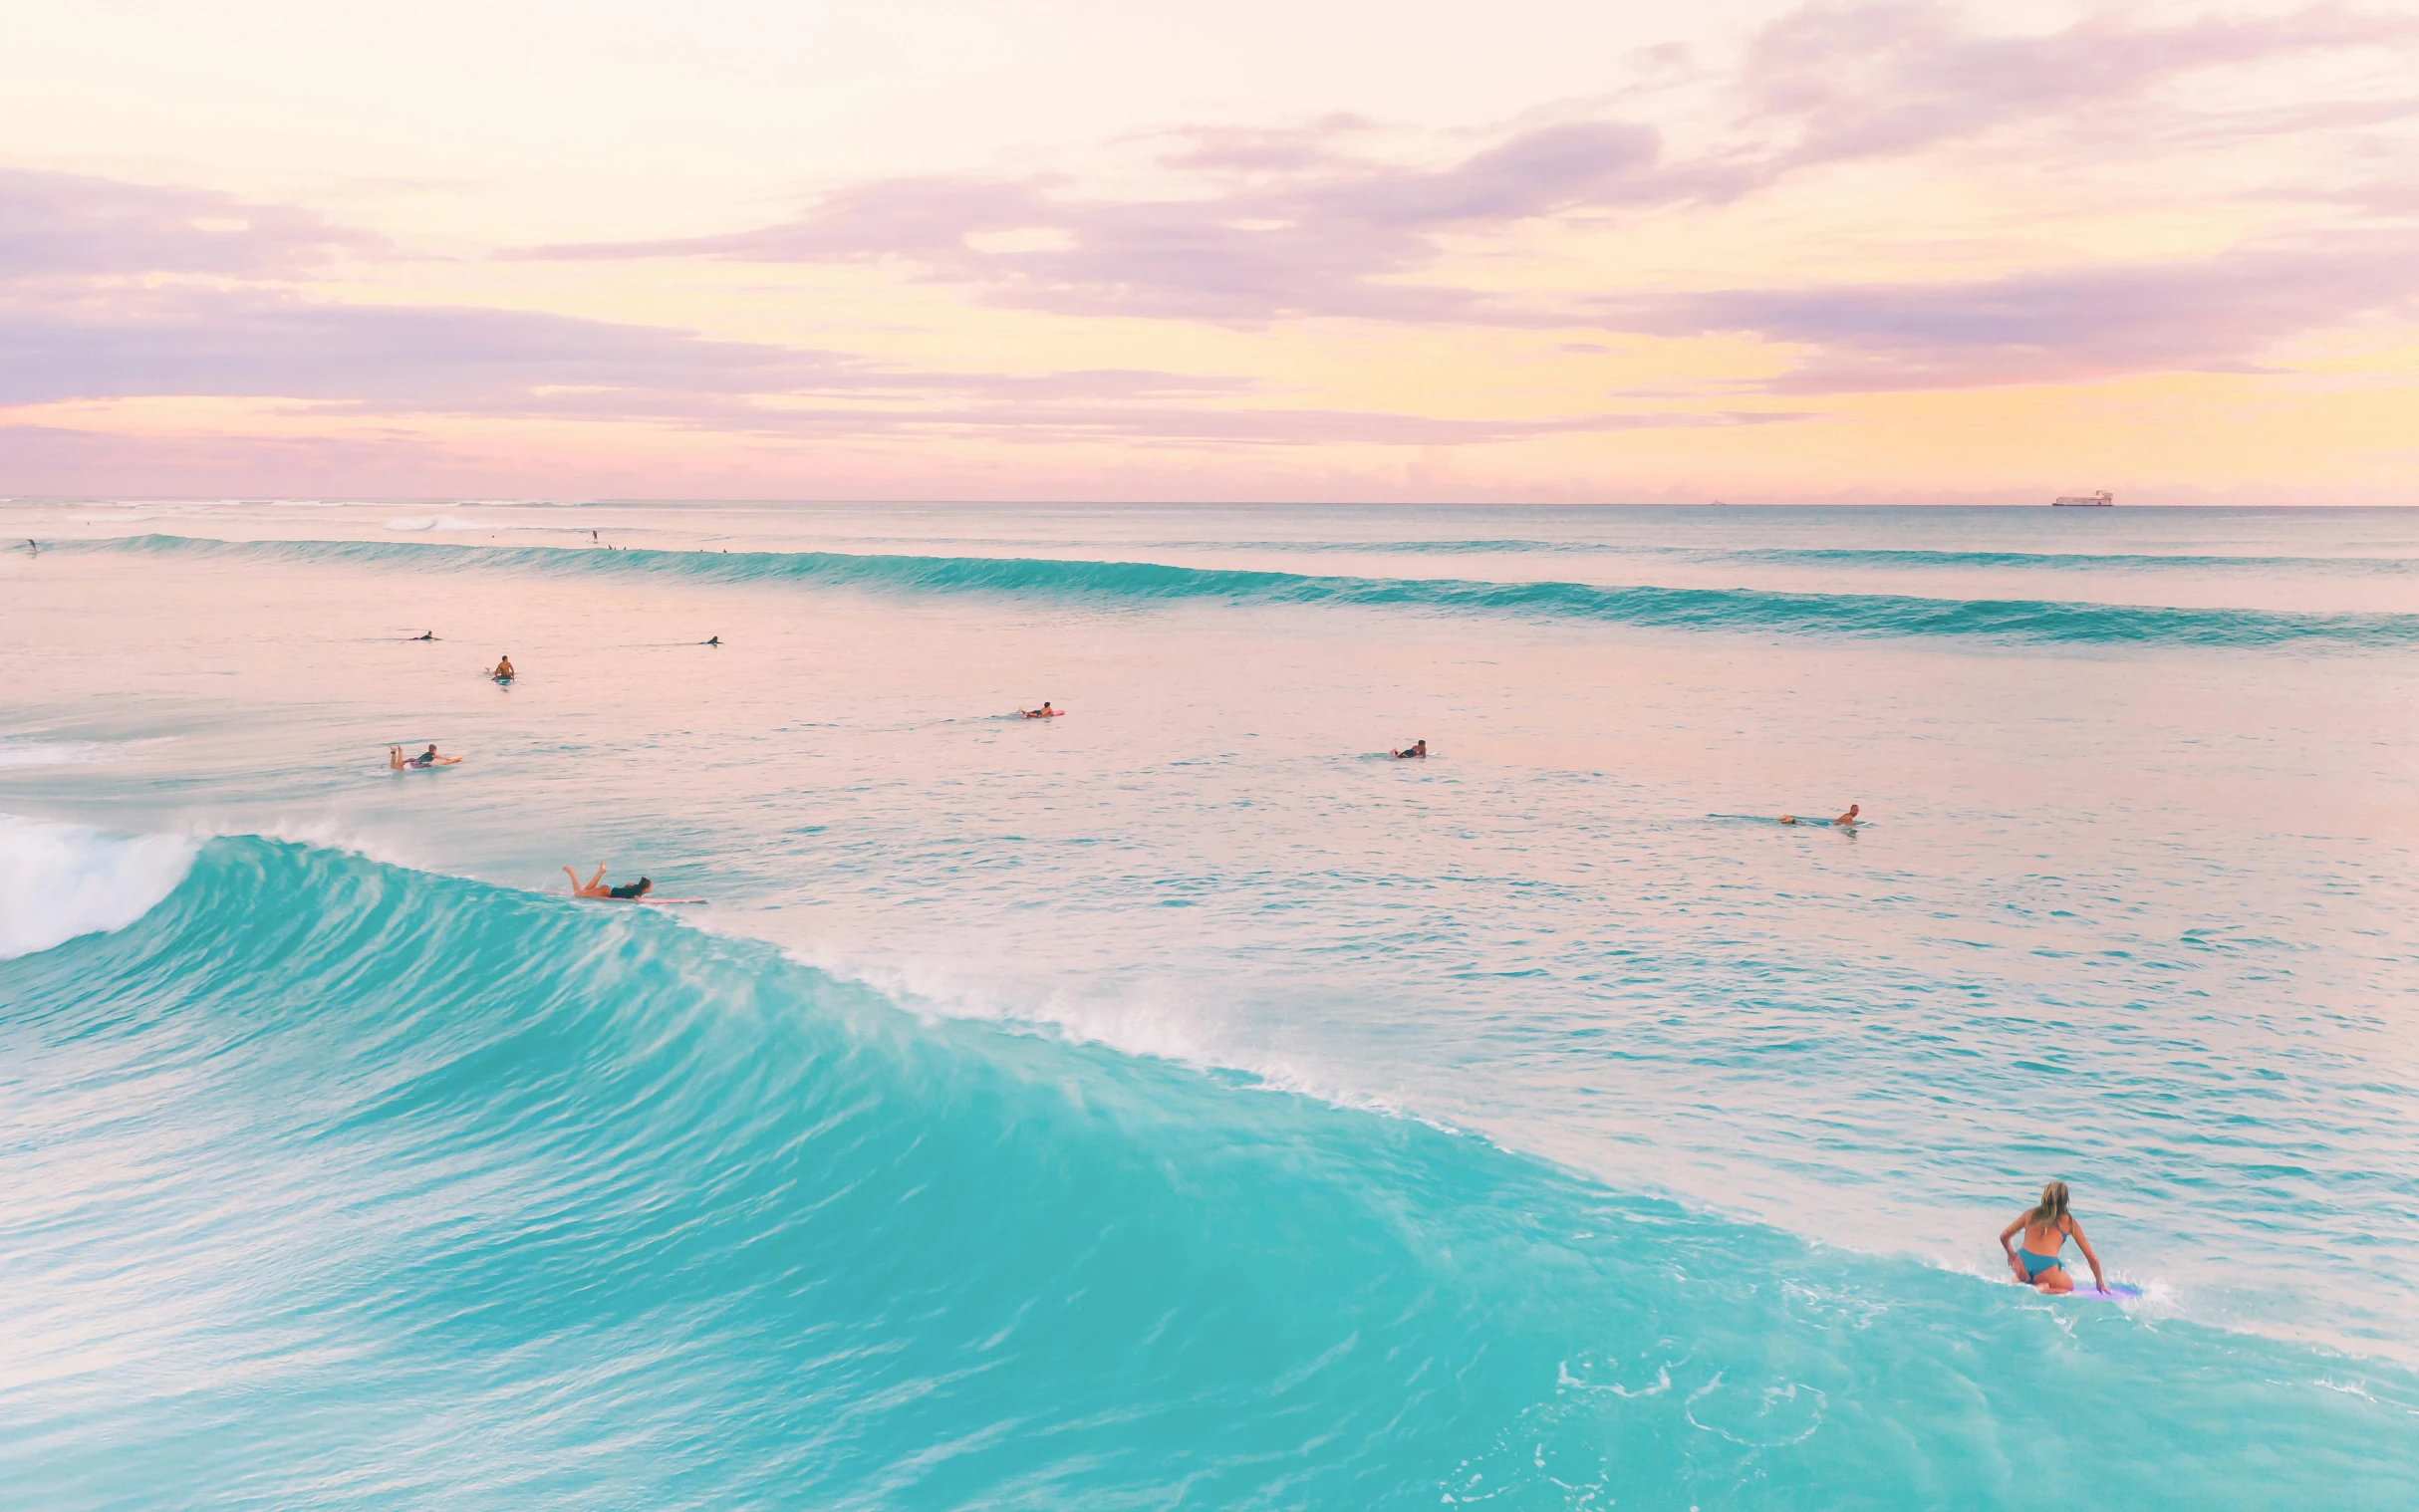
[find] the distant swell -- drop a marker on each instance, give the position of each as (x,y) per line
(1870,616)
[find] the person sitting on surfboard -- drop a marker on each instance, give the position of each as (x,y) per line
(2047,1229)
(396,761)
(502,671)
(1417,748)
(595,885)
(1843,820)
(1044,712)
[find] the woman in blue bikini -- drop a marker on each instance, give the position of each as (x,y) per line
(2046,1229)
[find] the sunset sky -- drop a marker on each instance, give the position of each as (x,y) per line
(1531,249)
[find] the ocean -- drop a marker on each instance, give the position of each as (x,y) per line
(1185,1104)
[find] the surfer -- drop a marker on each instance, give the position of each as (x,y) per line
(1417,748)
(502,671)
(595,885)
(396,761)
(714,641)
(2046,1229)
(426,635)
(1844,820)
(1044,712)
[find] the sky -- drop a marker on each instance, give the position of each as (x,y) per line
(1530,250)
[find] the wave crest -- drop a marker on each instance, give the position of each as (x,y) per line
(2034,622)
(62,880)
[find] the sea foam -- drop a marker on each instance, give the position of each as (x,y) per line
(60,880)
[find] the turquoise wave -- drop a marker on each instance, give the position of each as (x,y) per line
(1850,556)
(341,1186)
(1863,616)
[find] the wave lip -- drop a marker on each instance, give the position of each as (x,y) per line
(61,881)
(2037,622)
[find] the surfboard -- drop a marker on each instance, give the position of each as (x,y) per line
(2118,1291)
(649,901)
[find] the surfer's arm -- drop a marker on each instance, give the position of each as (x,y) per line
(2014,1267)
(2075,1227)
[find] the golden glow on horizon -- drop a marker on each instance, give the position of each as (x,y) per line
(1912,267)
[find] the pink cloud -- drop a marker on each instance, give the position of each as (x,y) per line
(71,226)
(2210,315)
(1292,226)
(1859,80)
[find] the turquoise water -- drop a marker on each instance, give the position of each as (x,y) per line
(1177,1103)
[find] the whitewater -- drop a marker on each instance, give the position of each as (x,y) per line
(1183,1102)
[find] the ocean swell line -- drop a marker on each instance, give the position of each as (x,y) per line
(1862,615)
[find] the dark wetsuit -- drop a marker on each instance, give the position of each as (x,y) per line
(628,889)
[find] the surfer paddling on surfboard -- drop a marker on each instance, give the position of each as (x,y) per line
(396,761)
(594,886)
(2047,1229)
(1044,712)
(1418,748)
(1844,820)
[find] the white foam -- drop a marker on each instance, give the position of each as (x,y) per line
(48,753)
(434,522)
(60,880)
(1132,1022)
(59,753)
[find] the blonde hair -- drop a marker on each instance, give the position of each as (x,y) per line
(2054,1204)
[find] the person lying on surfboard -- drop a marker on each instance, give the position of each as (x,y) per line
(2047,1229)
(595,885)
(1843,820)
(1044,712)
(396,761)
(1415,748)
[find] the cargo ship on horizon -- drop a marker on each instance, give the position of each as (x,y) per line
(2100,500)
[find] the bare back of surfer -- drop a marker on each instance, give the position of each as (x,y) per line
(1044,712)
(1415,748)
(2046,1228)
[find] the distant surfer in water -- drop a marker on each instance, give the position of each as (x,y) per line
(32,546)
(502,671)
(714,641)
(2047,1229)
(1417,748)
(426,635)
(1044,712)
(1844,820)
(595,885)
(396,761)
